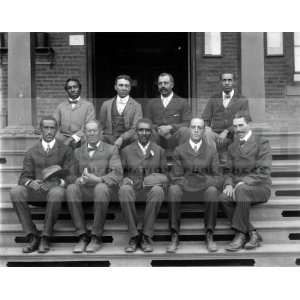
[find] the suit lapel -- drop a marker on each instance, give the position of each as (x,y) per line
(249,145)
(109,105)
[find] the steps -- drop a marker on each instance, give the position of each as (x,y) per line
(278,221)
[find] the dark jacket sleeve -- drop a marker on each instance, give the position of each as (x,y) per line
(185,117)
(115,174)
(207,113)
(70,165)
(177,170)
(244,108)
(28,172)
(262,170)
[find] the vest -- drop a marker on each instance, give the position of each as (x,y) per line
(118,124)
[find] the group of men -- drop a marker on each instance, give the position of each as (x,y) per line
(85,161)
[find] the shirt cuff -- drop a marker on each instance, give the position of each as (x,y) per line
(76,138)
(62,182)
(27,182)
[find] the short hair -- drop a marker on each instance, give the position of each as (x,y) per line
(95,122)
(222,73)
(199,118)
(48,118)
(123,76)
(72,79)
(243,114)
(166,74)
(143,120)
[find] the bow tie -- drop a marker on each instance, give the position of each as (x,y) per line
(227,96)
(73,102)
(92,148)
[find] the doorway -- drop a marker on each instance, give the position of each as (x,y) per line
(143,56)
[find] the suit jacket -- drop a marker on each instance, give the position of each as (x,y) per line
(196,171)
(250,163)
(132,113)
(72,121)
(177,113)
(104,163)
(137,165)
(36,159)
(218,117)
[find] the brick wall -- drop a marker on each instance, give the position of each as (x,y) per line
(208,69)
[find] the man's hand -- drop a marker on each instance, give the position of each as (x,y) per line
(222,136)
(90,177)
(208,129)
(68,141)
(127,181)
(164,129)
(229,191)
(35,184)
(119,142)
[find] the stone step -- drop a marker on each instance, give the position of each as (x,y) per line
(275,209)
(271,231)
(13,157)
(188,254)
(17,142)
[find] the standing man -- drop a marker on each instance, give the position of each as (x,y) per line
(31,189)
(119,115)
(144,164)
(196,170)
(72,114)
(219,112)
(98,170)
(247,182)
(170,114)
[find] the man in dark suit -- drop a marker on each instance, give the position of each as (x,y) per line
(118,116)
(31,189)
(196,170)
(170,114)
(219,112)
(140,160)
(72,114)
(97,170)
(247,182)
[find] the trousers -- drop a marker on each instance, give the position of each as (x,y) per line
(208,196)
(238,210)
(100,195)
(154,198)
(22,196)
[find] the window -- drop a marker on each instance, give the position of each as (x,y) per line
(274,44)
(297,56)
(212,44)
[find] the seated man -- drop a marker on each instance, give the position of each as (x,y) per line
(31,189)
(219,112)
(119,115)
(247,181)
(72,114)
(196,170)
(98,170)
(169,113)
(140,160)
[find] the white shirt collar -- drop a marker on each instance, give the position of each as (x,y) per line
(144,149)
(193,144)
(97,145)
(74,100)
(50,144)
(231,94)
(122,100)
(247,136)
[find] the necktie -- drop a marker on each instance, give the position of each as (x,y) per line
(48,148)
(242,142)
(195,148)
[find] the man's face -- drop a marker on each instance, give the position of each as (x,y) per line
(48,130)
(122,87)
(227,82)
(144,132)
(165,85)
(92,133)
(241,127)
(73,89)
(196,130)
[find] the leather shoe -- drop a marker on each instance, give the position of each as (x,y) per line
(44,246)
(81,245)
(132,244)
(94,245)
(173,246)
(32,245)
(146,243)
(254,241)
(237,243)
(210,243)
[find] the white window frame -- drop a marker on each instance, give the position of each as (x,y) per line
(212,44)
